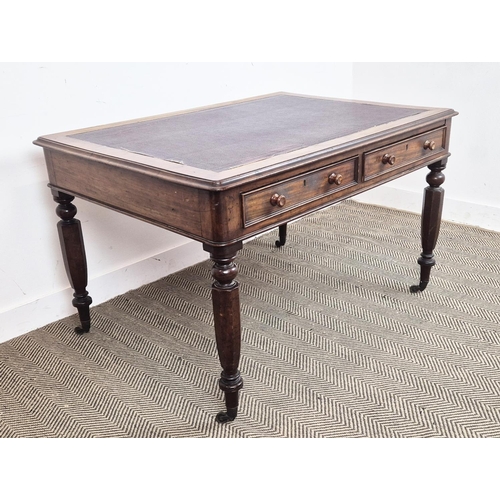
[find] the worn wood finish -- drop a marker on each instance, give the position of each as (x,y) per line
(400,154)
(431,222)
(221,207)
(75,260)
(144,195)
(258,205)
(226,306)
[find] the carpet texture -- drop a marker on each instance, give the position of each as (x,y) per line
(334,344)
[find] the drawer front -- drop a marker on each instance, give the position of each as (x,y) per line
(280,197)
(400,154)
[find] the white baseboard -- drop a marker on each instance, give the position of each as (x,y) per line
(44,310)
(462,212)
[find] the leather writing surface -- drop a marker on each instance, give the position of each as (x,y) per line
(221,138)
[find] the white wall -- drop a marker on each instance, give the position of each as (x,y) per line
(122,253)
(472,175)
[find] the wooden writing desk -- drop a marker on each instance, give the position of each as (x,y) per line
(223,173)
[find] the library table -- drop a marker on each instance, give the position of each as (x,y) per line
(223,173)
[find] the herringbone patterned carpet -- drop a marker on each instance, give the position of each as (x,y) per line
(334,345)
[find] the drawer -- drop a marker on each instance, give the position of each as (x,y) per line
(268,201)
(400,154)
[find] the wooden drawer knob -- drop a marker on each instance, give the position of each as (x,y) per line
(335,179)
(430,145)
(390,159)
(278,200)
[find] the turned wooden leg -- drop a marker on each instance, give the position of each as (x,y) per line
(431,222)
(226,305)
(73,250)
(282,236)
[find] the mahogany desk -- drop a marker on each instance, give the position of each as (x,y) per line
(223,173)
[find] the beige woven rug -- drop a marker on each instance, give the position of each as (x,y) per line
(334,344)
